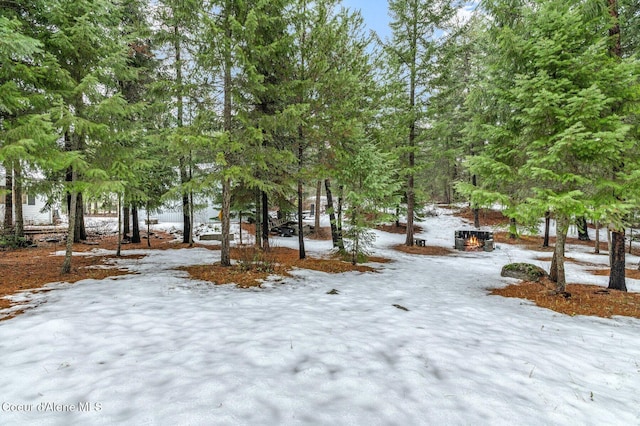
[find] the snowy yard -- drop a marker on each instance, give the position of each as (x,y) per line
(155,348)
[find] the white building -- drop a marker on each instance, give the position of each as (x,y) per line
(33,205)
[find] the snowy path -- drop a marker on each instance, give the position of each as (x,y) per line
(158,349)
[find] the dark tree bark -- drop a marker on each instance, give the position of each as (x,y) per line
(411,202)
(135,221)
(476,211)
(8,198)
(73,196)
(258,219)
(614,31)
(126,223)
(617,275)
(186,206)
(120,211)
(17,185)
(265,221)
(513,229)
(339,218)
(583,231)
(335,236)
(73,142)
(148,226)
(80,232)
(301,251)
(225,252)
(316,223)
(547,225)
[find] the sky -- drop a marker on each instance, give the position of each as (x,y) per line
(420,342)
(375,14)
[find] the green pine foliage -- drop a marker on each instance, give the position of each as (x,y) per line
(558,140)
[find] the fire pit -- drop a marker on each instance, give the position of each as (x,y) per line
(474,241)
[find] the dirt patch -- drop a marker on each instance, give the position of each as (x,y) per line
(534,242)
(628,273)
(570,259)
(424,250)
(581,299)
(487,217)
(400,229)
(253,266)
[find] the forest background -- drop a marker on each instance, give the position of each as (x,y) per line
(531,105)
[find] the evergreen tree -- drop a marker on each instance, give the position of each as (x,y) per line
(27,76)
(565,133)
(411,53)
(369,179)
(177,40)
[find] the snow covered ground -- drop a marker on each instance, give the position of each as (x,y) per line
(155,348)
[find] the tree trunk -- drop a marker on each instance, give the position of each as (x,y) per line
(186,206)
(120,223)
(332,216)
(547,225)
(301,251)
(135,236)
(80,233)
(410,203)
(356,238)
(316,223)
(240,226)
(225,250)
(258,218)
(617,275)
(476,211)
(191,213)
(126,224)
(17,184)
(339,218)
(513,229)
(614,31)
(616,248)
(148,227)
(609,248)
(8,198)
(265,221)
(562,227)
(413,74)
(583,231)
(597,243)
(553,271)
(184,177)
(66,265)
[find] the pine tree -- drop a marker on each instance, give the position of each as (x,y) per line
(411,53)
(27,77)
(177,40)
(564,133)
